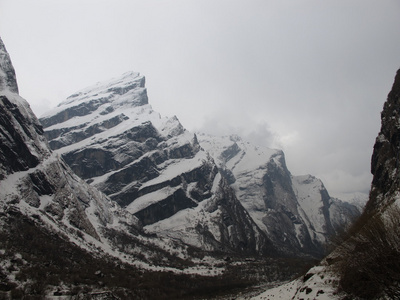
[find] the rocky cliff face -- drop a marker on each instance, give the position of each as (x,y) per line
(385,158)
(296,212)
(8,80)
(22,143)
(32,178)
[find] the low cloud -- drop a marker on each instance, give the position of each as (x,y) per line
(340,182)
(256,133)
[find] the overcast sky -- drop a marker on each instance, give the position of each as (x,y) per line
(306,76)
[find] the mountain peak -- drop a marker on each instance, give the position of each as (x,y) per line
(8,80)
(121,93)
(130,84)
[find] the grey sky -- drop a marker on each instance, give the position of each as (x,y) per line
(307,76)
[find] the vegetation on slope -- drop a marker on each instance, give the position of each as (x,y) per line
(370,259)
(35,262)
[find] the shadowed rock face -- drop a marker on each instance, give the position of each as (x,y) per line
(15,154)
(75,136)
(165,208)
(385,160)
(8,80)
(30,173)
(22,145)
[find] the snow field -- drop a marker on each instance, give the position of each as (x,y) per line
(319,284)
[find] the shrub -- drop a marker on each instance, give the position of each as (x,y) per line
(370,265)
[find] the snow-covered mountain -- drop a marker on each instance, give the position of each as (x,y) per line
(111,137)
(296,212)
(210,192)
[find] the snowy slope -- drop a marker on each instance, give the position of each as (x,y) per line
(318,284)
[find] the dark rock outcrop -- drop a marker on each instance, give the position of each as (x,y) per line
(22,144)
(8,80)
(385,160)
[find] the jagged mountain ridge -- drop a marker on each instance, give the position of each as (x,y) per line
(169,178)
(152,166)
